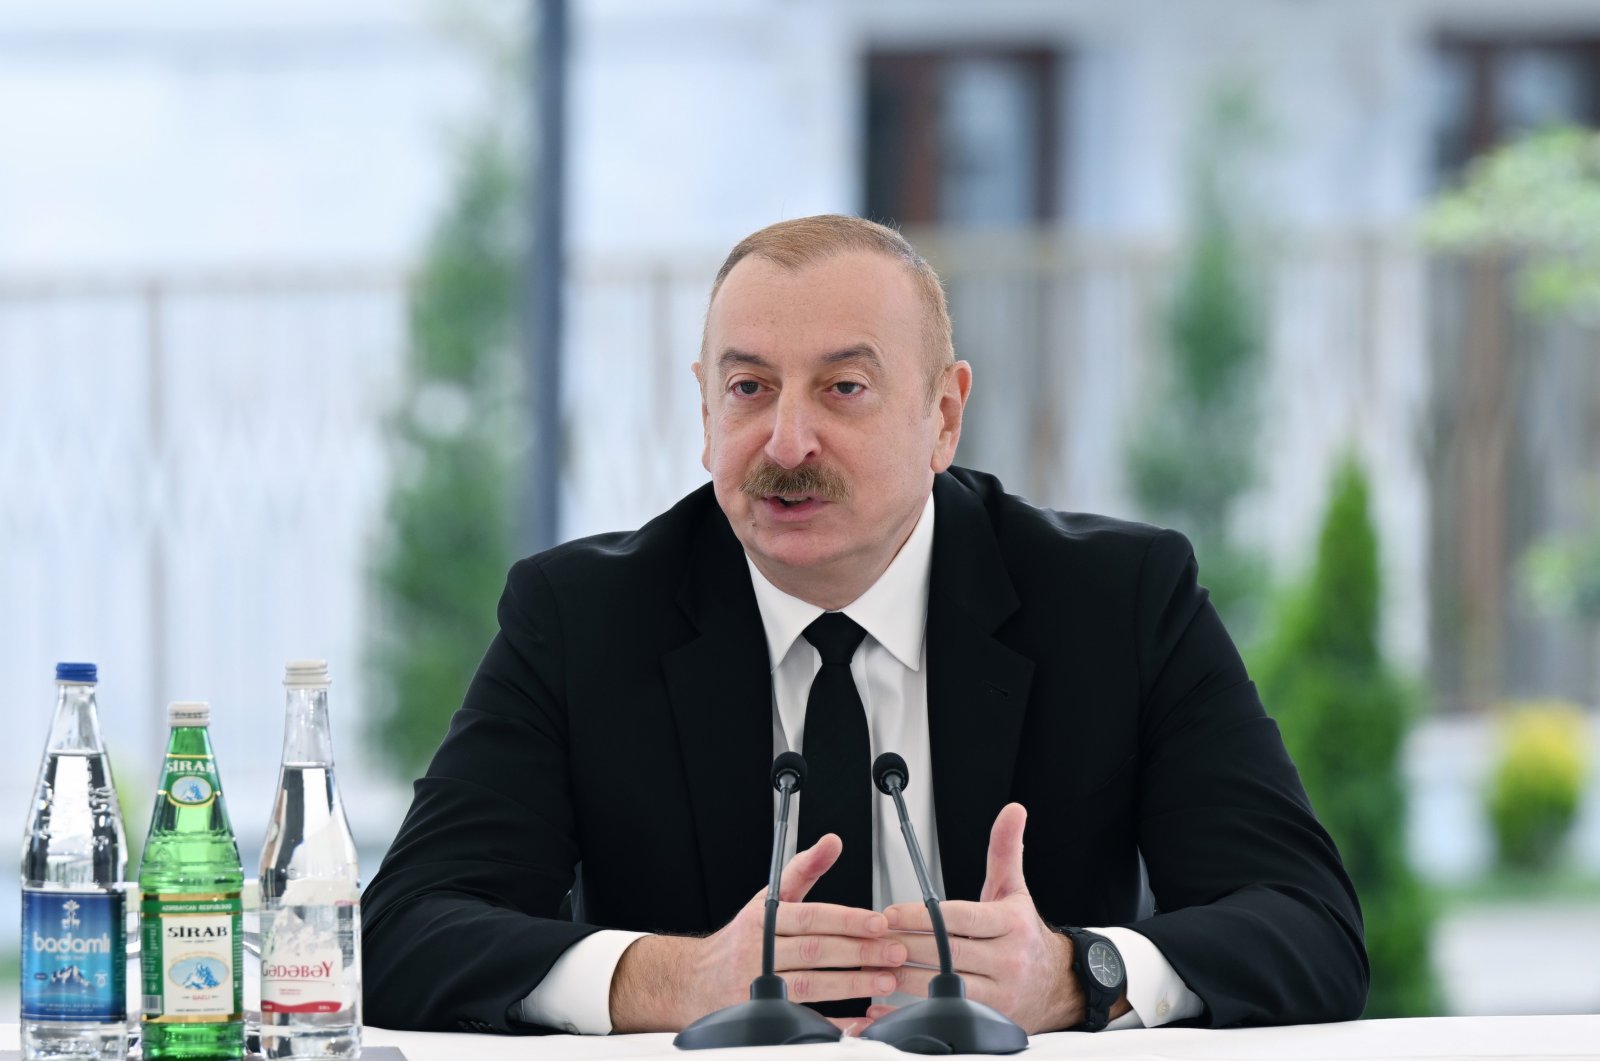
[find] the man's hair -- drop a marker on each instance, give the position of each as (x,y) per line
(806,240)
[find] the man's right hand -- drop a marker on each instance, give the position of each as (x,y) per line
(824,952)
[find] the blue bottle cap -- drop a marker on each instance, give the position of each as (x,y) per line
(83,673)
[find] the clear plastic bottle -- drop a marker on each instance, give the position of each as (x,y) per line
(74,889)
(310,891)
(190,881)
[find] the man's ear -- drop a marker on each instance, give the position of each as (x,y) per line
(951,403)
(705,416)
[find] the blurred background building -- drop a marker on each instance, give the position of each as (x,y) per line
(234,425)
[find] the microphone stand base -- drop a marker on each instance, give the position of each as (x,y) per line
(948,1026)
(759,1022)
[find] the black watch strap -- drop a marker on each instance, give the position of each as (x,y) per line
(1097,964)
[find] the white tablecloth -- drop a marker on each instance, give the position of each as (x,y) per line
(1430,1038)
(1365,1040)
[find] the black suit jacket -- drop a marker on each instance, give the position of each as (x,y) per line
(622,719)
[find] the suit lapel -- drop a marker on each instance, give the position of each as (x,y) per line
(720,686)
(977,686)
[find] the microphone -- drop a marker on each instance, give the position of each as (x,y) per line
(947,1021)
(769,1018)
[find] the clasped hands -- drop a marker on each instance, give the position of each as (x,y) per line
(1011,960)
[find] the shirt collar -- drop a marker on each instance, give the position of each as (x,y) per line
(894,609)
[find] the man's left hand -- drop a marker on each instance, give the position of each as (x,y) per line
(1010,959)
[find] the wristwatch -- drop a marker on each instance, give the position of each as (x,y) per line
(1097,964)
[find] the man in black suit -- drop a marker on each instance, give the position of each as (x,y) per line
(1063,674)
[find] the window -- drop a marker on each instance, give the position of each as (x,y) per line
(962,138)
(1486,91)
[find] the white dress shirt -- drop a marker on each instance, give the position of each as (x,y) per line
(890,673)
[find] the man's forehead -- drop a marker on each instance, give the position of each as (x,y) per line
(796,317)
(860,293)
(847,275)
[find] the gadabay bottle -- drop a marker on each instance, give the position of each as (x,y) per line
(310,890)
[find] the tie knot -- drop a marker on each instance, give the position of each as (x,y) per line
(836,636)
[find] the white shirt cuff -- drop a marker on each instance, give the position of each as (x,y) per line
(1156,993)
(575,995)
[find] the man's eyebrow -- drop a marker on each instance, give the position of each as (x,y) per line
(855,353)
(739,357)
(862,353)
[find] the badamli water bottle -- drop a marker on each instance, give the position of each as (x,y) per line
(74,891)
(310,891)
(190,881)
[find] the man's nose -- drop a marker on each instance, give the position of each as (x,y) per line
(794,437)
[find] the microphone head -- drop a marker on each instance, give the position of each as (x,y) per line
(890,765)
(792,764)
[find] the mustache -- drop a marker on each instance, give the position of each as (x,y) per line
(813,480)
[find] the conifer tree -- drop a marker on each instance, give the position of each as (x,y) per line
(448,540)
(1194,454)
(1344,716)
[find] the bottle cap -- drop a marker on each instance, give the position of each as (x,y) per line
(188,713)
(77,673)
(306,674)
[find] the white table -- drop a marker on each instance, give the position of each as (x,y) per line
(1430,1038)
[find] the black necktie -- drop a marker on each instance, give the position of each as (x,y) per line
(838,794)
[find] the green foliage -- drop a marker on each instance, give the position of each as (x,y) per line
(1563,575)
(1344,716)
(1194,454)
(134,800)
(10,978)
(448,535)
(1534,794)
(1538,196)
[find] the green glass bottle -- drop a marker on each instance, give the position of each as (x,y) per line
(190,882)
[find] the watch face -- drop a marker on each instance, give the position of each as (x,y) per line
(1105,964)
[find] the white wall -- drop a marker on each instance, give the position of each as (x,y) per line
(190,135)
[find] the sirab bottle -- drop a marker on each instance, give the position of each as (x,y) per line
(310,891)
(74,889)
(190,881)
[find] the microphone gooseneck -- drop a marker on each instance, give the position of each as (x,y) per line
(769,1018)
(891,776)
(947,1021)
(788,774)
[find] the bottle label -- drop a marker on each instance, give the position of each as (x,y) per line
(74,956)
(192,957)
(190,780)
(302,965)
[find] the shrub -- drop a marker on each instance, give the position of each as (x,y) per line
(1194,455)
(1344,716)
(447,537)
(1534,794)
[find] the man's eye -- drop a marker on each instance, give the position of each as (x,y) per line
(748,388)
(848,387)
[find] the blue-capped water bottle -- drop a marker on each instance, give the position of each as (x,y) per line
(74,889)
